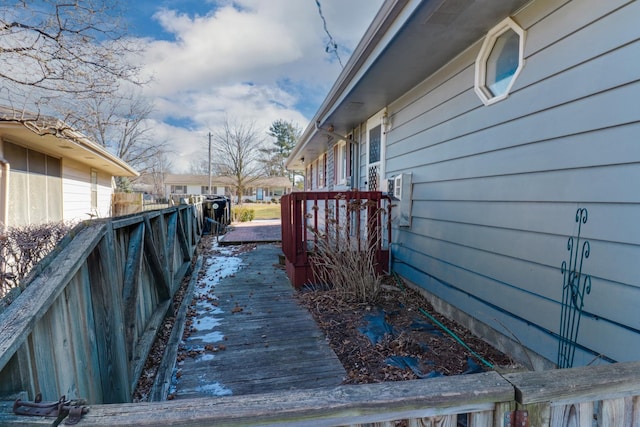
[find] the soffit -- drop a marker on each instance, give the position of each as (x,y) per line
(435,33)
(65,148)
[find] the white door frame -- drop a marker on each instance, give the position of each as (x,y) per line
(375,170)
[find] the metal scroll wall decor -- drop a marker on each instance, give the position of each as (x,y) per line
(574,288)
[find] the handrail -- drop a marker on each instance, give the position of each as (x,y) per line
(308,215)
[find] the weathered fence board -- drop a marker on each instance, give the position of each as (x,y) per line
(85,323)
(564,397)
(558,398)
(423,401)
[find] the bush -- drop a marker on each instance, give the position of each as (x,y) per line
(346,264)
(21,248)
(242,214)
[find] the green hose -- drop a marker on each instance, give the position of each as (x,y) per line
(455,337)
(447,330)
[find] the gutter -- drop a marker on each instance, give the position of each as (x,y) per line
(88,145)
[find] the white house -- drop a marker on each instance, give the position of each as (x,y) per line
(258,189)
(50,172)
(510,131)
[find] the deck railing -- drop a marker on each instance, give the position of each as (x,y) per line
(359,220)
(601,396)
(86,322)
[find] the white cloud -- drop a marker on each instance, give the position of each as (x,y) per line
(253,60)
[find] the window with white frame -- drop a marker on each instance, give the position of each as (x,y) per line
(340,163)
(94,190)
(35,186)
(499,61)
(309,182)
(179,189)
(321,171)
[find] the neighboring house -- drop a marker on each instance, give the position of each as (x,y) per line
(502,121)
(259,189)
(50,172)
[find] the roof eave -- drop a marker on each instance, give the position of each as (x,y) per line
(434,31)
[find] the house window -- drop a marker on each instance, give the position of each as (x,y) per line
(204,189)
(35,186)
(94,190)
(178,189)
(499,62)
(321,165)
(340,163)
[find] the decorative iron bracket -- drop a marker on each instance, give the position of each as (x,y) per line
(72,409)
(574,288)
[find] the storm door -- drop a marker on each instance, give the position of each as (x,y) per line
(375,154)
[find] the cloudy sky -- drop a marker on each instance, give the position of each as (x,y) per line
(248,60)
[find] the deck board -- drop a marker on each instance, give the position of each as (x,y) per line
(273,344)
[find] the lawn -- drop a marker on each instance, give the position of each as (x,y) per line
(264,210)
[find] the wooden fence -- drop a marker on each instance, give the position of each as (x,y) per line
(84,325)
(602,396)
(126,203)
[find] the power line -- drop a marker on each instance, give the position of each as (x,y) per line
(332,46)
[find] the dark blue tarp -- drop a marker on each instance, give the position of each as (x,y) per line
(426,327)
(409,362)
(376,327)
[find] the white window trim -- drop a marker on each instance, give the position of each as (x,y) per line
(93,174)
(341,169)
(372,122)
(481,61)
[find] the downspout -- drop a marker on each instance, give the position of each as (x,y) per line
(4,189)
(4,193)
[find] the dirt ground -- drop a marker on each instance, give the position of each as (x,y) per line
(394,340)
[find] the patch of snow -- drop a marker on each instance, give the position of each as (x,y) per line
(214,389)
(205,357)
(209,338)
(208,322)
(218,268)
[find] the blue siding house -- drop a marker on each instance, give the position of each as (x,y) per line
(509,133)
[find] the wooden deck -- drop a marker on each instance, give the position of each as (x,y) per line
(271,343)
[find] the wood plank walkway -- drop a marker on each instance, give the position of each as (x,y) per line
(271,343)
(258,231)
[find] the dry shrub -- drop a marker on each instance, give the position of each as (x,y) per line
(21,248)
(345,262)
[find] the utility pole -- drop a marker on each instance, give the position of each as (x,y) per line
(210,163)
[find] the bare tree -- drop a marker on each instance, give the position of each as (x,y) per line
(157,173)
(200,166)
(236,147)
(52,48)
(121,124)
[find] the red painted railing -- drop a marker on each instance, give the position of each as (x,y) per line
(359,219)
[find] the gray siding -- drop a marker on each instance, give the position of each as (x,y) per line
(496,187)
